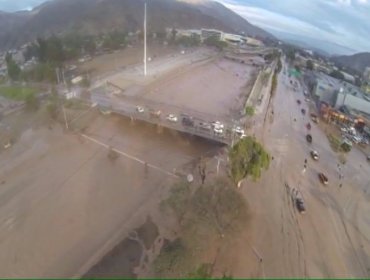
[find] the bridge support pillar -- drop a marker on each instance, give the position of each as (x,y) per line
(159,129)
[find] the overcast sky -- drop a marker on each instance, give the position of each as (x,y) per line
(344,22)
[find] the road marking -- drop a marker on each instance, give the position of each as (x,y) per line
(130,156)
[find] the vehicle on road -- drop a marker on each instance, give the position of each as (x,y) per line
(218,130)
(303,111)
(238,130)
(300,205)
(323,179)
(309,138)
(171,118)
(308,126)
(298,102)
(204,126)
(368,158)
(307,99)
(140,109)
(186,120)
(314,118)
(314,155)
(155,113)
(217,124)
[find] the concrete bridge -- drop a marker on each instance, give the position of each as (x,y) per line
(200,124)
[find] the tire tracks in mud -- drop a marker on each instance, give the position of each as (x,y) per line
(288,201)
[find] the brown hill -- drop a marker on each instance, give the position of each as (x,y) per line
(95,16)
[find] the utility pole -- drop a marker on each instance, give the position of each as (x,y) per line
(145,39)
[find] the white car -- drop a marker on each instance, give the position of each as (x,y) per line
(171,118)
(139,109)
(243,136)
(238,130)
(218,130)
(218,124)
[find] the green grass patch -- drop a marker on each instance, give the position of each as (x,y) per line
(337,145)
(249,111)
(17,93)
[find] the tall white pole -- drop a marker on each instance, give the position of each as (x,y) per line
(145,40)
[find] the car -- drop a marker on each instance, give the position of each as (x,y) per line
(307,99)
(218,130)
(368,158)
(218,124)
(308,126)
(238,130)
(204,126)
(323,179)
(305,93)
(155,113)
(303,111)
(171,118)
(243,136)
(298,102)
(343,129)
(187,121)
(300,205)
(314,118)
(309,138)
(314,155)
(140,109)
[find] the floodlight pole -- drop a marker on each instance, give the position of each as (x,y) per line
(145,39)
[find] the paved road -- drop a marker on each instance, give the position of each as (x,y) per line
(126,106)
(332,238)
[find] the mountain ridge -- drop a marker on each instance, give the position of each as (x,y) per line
(97,16)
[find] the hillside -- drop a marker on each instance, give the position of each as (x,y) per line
(356,62)
(95,16)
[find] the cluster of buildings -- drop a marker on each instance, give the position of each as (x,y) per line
(339,100)
(204,34)
(18,57)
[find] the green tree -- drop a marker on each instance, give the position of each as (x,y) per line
(173,34)
(290,54)
(309,64)
(249,111)
(14,72)
(202,272)
(337,74)
(215,42)
(248,158)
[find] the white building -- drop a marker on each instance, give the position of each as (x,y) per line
(353,98)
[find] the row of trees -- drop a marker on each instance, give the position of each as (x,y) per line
(53,52)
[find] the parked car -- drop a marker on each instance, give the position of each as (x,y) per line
(323,179)
(303,111)
(187,121)
(171,118)
(238,130)
(314,155)
(218,130)
(298,102)
(204,126)
(368,158)
(314,118)
(155,113)
(308,126)
(140,109)
(300,205)
(309,138)
(218,124)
